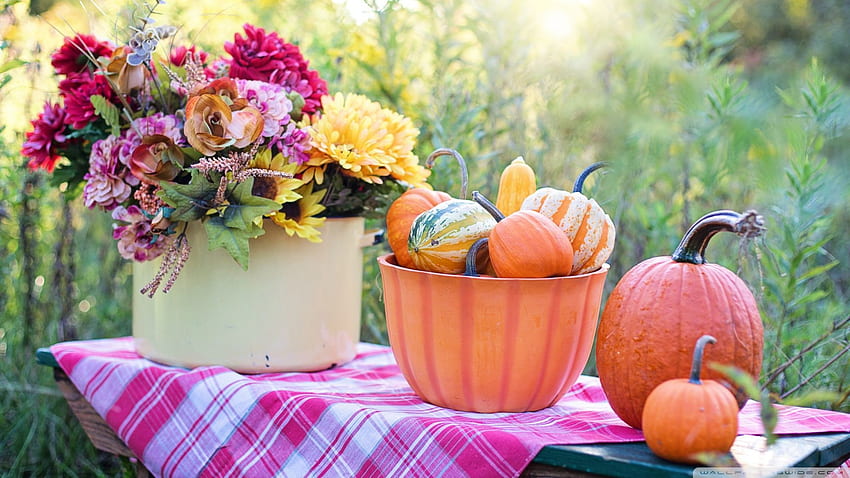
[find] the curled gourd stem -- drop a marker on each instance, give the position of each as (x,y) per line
(488,206)
(472,255)
(464,175)
(696,365)
(579,184)
(692,247)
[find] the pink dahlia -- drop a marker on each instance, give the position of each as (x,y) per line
(73,56)
(266,57)
(106,186)
(45,138)
(77,91)
(137,239)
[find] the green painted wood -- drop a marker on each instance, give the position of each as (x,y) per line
(43,356)
(637,460)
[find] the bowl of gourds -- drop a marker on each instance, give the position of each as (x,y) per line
(493,307)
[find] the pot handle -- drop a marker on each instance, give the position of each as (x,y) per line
(371,237)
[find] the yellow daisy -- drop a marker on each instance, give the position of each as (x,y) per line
(367,141)
(299,217)
(279,189)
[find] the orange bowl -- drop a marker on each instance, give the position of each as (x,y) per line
(487,344)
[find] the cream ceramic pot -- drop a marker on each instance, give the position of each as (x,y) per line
(296,309)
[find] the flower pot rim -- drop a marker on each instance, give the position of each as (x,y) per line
(388,260)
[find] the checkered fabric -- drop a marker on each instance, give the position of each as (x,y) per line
(357,419)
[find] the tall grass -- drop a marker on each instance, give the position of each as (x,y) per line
(686,127)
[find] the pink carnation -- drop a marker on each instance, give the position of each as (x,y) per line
(266,57)
(136,239)
(272,102)
(45,138)
(106,186)
(293,143)
(73,56)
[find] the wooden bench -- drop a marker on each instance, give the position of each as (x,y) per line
(612,459)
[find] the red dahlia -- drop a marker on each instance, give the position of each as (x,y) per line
(266,57)
(45,138)
(73,56)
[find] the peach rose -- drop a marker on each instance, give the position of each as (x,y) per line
(213,125)
(156,159)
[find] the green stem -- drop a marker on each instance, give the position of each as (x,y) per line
(488,206)
(692,247)
(579,184)
(464,175)
(696,365)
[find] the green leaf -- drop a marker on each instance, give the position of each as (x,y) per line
(108,112)
(11,65)
(190,201)
(244,207)
(769,415)
(234,241)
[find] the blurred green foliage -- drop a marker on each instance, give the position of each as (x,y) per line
(733,104)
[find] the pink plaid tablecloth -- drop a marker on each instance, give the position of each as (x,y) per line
(358,419)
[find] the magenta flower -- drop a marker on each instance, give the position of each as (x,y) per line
(46,138)
(73,56)
(178,55)
(293,143)
(266,57)
(272,102)
(137,239)
(77,92)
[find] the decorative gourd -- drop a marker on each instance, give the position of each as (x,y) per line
(516,183)
(685,417)
(441,236)
(589,228)
(526,244)
(663,304)
(401,214)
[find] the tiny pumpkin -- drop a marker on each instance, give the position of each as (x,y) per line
(401,214)
(662,305)
(516,183)
(589,228)
(440,237)
(526,244)
(686,417)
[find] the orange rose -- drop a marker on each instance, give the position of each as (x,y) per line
(212,125)
(156,159)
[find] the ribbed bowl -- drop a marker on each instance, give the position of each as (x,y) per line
(487,344)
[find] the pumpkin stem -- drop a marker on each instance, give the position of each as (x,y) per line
(579,184)
(472,255)
(464,175)
(696,365)
(488,206)
(692,247)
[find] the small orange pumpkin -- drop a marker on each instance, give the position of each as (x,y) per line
(589,228)
(401,214)
(662,305)
(516,183)
(685,417)
(526,244)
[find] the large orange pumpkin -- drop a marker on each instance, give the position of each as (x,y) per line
(662,306)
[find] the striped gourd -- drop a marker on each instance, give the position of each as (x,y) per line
(441,236)
(589,228)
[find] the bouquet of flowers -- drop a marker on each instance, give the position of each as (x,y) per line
(160,135)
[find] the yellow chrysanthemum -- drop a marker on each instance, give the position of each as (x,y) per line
(367,141)
(279,189)
(299,217)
